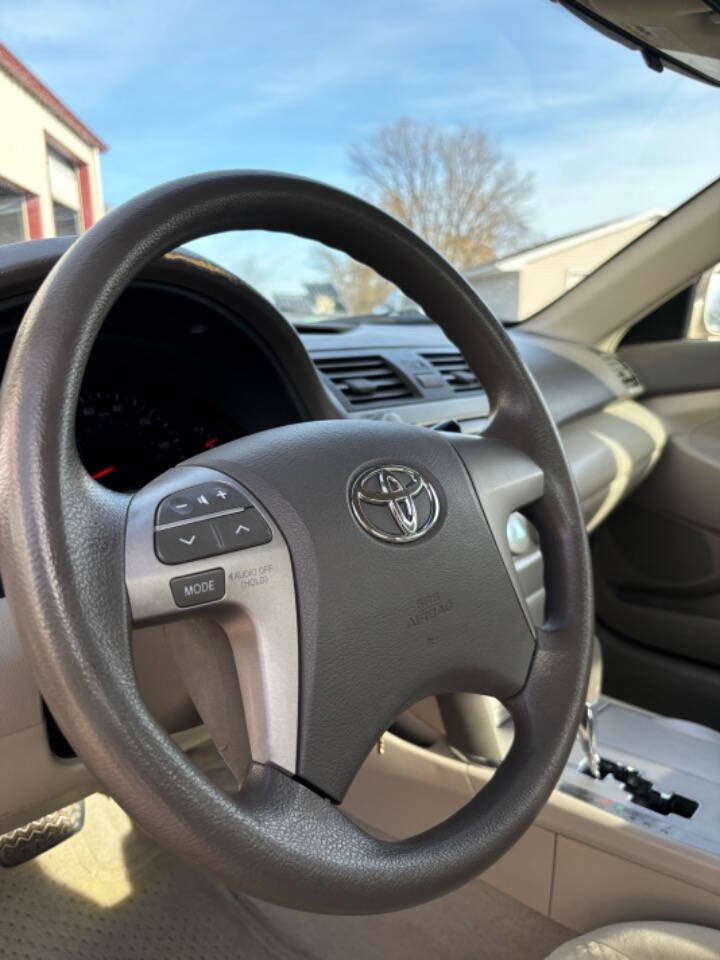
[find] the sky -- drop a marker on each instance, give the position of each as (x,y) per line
(180,86)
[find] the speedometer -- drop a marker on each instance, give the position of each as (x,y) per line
(124,441)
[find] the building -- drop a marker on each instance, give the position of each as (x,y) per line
(319,300)
(49,160)
(325,299)
(517,286)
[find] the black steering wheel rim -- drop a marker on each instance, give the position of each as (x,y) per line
(62,557)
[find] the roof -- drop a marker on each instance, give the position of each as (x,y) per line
(321,290)
(518,259)
(26,79)
(293,302)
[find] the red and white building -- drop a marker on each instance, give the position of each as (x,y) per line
(49,160)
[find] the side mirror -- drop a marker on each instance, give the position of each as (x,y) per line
(711,308)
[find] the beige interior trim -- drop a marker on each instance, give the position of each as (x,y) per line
(660,263)
(611,452)
(579,865)
(41,782)
(590,885)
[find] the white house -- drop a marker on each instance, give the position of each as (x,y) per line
(517,286)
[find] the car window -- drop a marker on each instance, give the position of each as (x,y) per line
(522,145)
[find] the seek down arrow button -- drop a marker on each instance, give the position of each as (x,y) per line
(187,541)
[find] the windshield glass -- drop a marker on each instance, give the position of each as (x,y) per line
(526,147)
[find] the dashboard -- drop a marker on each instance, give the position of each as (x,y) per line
(190,358)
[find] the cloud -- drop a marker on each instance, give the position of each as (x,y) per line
(81,49)
(608,164)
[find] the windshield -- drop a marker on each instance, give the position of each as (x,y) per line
(526,147)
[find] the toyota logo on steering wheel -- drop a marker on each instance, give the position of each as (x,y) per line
(394,503)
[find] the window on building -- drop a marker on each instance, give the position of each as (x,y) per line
(12,216)
(65,192)
(67,222)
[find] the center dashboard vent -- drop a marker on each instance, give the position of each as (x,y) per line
(364,381)
(455,370)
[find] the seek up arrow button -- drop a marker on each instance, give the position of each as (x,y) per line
(238,532)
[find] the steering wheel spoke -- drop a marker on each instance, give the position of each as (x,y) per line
(505,480)
(200,546)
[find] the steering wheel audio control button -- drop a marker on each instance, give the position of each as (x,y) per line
(198,588)
(199,501)
(177,507)
(244,529)
(224,497)
(187,541)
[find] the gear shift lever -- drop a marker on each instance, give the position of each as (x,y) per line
(588,742)
(587,728)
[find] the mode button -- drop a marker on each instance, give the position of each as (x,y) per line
(198,588)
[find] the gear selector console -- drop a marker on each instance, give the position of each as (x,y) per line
(656,774)
(642,790)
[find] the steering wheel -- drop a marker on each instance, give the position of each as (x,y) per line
(355,565)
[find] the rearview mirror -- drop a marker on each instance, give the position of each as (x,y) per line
(682,35)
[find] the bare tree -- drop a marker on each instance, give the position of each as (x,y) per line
(453,187)
(360,288)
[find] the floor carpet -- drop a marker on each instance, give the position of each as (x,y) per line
(109,893)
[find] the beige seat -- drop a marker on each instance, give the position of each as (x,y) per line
(652,940)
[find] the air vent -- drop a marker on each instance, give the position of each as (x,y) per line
(364,381)
(456,371)
(622,371)
(321,327)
